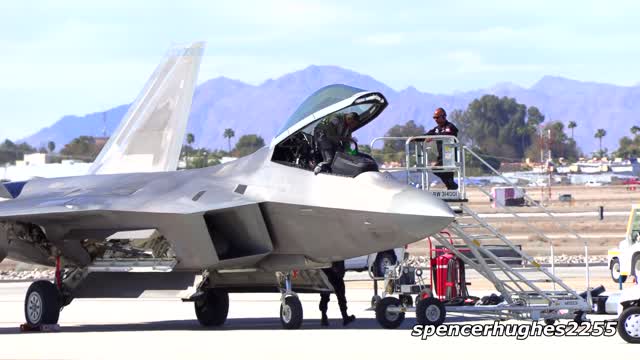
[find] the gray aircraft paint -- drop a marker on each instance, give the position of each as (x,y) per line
(252,213)
(283,210)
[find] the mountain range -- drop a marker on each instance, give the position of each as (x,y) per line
(222,103)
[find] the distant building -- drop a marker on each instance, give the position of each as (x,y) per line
(226,159)
(28,169)
(33,159)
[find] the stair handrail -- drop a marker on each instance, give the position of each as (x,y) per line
(540,206)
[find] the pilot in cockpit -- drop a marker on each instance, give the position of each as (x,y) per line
(333,134)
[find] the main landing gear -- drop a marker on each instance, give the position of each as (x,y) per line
(212,307)
(42,304)
(212,304)
(44,300)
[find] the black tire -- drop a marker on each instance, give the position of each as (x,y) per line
(615,274)
(430,311)
(383,260)
(629,325)
(374,300)
(579,317)
(291,313)
(406,300)
(549,321)
(635,265)
(385,318)
(42,304)
(420,296)
(212,308)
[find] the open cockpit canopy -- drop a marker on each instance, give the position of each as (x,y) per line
(330,100)
(297,143)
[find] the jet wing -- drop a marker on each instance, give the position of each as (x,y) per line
(69,216)
(151,193)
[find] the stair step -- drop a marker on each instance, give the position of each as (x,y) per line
(469,225)
(496,268)
(482,237)
(527,269)
(528,280)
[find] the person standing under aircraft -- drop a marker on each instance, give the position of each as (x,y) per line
(333,134)
(443,127)
(335,275)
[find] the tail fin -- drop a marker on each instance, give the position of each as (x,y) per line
(151,134)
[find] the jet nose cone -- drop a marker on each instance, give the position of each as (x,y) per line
(421,203)
(421,213)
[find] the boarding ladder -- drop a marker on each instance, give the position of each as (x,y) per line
(529,289)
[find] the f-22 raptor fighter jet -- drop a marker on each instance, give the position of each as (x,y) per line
(265,222)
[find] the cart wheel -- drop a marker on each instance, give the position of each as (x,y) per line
(375,299)
(386,318)
(421,296)
(629,325)
(615,271)
(430,311)
(580,317)
(406,300)
(635,265)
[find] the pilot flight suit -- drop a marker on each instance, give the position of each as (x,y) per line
(335,274)
(446,129)
(331,135)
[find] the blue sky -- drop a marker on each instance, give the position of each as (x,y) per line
(62,57)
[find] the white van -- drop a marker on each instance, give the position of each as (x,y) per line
(593,183)
(624,260)
(378,261)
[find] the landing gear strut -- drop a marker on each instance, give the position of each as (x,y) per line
(290,306)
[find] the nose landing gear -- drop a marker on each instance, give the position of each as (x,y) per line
(291,314)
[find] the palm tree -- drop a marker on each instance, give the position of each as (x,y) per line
(599,135)
(228,134)
(572,125)
(190,140)
(635,129)
(51,146)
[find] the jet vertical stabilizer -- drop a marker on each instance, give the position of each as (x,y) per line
(151,134)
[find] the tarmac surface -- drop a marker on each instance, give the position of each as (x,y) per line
(165,328)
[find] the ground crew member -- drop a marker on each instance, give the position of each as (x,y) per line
(332,135)
(335,274)
(443,127)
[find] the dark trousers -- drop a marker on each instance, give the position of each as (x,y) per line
(336,278)
(447,179)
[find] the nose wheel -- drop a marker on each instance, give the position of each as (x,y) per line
(291,314)
(42,304)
